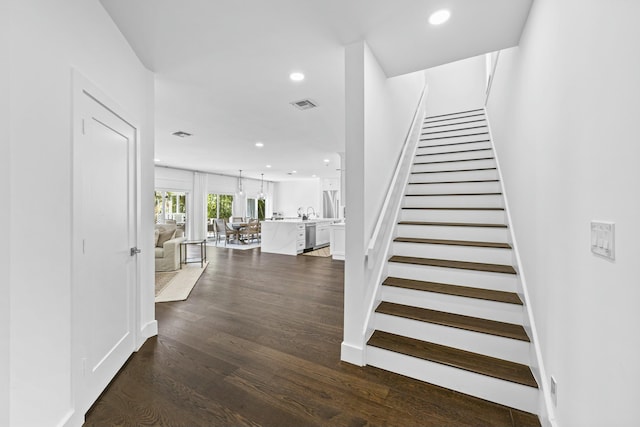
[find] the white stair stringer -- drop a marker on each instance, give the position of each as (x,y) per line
(517,396)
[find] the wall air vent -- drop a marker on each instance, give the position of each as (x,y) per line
(304,104)
(181,134)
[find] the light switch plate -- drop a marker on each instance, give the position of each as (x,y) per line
(603,238)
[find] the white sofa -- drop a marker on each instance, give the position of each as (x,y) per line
(168,238)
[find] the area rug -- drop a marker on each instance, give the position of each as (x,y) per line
(163,278)
(240,246)
(322,252)
(181,285)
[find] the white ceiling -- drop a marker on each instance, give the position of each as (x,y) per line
(222,70)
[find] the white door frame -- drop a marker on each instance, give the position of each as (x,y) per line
(82,87)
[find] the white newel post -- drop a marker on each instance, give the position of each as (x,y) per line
(352,350)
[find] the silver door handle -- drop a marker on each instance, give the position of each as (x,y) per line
(135,251)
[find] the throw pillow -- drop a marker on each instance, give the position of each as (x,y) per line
(156,234)
(166,235)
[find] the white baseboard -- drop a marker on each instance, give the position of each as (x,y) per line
(352,354)
(71,419)
(147,331)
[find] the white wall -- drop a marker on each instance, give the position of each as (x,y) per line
(563,111)
(378,116)
(458,86)
(5,217)
(47,40)
(291,195)
(389,107)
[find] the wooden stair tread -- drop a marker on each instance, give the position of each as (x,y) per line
(459,321)
(453,143)
(452,161)
(453,242)
(453,224)
(453,130)
(454,182)
(463,265)
(454,208)
(453,136)
(451,194)
(456,290)
(461,359)
(456,170)
(453,114)
(452,118)
(454,152)
(453,124)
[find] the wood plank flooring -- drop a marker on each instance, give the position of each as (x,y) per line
(258,344)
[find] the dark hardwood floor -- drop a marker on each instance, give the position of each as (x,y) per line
(258,344)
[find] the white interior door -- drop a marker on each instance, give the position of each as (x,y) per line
(106,270)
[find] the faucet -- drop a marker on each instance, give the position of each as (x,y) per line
(312,210)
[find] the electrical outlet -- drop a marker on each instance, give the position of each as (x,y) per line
(554,391)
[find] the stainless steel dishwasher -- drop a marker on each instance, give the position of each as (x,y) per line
(309,235)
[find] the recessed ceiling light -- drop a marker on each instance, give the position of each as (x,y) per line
(439,17)
(314,176)
(296,77)
(268,166)
(259,144)
(326,160)
(294,171)
(156,160)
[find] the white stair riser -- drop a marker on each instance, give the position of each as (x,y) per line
(484,309)
(474,234)
(503,392)
(458,253)
(460,187)
(452,118)
(445,215)
(454,276)
(436,167)
(466,137)
(475,342)
(457,124)
(454,176)
(458,131)
(475,201)
(461,155)
(431,149)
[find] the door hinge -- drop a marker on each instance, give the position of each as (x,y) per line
(134,251)
(83,131)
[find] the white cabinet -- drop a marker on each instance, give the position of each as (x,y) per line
(323,233)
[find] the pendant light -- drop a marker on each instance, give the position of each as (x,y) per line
(240,192)
(261,193)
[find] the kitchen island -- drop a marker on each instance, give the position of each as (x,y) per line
(294,236)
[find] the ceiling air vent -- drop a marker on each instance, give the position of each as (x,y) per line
(304,104)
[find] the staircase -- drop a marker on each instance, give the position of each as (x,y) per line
(450,314)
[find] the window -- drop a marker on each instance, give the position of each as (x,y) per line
(170,206)
(251,208)
(219,206)
(256,208)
